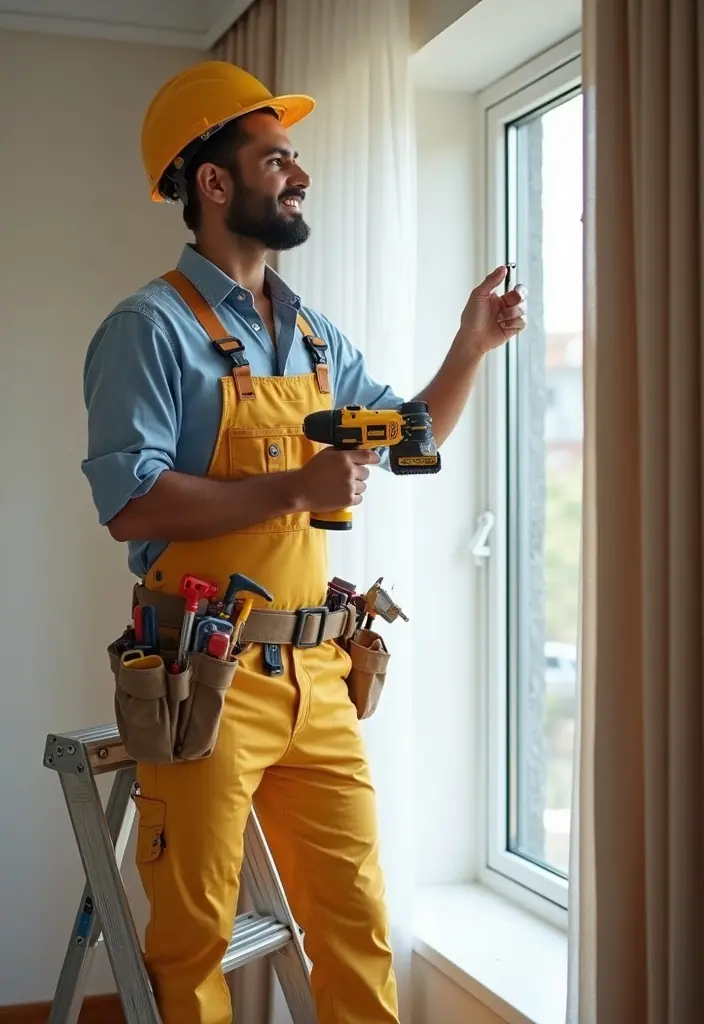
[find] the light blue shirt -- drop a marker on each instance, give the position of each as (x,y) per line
(151,382)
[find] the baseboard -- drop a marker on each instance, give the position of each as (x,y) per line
(96,1010)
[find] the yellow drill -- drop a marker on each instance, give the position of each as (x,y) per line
(406,431)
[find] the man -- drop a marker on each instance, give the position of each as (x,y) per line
(197,460)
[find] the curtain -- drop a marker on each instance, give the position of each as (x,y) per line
(636,950)
(251,44)
(358,269)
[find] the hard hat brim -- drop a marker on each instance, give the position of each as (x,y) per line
(290,110)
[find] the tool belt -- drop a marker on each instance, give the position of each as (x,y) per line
(307,627)
(174,715)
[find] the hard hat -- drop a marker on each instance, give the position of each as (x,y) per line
(196,102)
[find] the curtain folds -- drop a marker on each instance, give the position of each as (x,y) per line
(636,953)
(358,269)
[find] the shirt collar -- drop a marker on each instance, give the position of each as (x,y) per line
(215,285)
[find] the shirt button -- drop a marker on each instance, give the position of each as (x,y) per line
(274,451)
(241,296)
(256,327)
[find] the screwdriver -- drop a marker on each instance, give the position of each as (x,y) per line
(193,590)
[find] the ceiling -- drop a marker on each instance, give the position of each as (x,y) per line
(491,39)
(190,23)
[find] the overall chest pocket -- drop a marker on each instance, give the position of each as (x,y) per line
(270,450)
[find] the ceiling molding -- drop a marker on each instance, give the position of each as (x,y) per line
(221,14)
(93,29)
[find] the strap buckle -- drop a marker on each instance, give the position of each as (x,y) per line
(318,348)
(234,349)
(302,616)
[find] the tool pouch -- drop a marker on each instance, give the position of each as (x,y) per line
(164,717)
(367,675)
(201,711)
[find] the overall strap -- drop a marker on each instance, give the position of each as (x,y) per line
(224,343)
(318,349)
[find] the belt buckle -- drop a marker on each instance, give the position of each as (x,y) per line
(302,616)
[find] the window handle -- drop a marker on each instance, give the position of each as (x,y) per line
(478,544)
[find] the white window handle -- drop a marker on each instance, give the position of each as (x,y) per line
(478,544)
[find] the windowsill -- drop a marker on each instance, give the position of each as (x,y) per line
(504,956)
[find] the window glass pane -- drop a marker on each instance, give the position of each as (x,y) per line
(544,174)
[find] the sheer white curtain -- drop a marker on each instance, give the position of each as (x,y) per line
(358,268)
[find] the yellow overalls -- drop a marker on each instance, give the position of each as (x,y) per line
(291,742)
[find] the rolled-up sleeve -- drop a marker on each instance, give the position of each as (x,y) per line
(131,387)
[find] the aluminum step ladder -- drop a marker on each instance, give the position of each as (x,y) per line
(104,911)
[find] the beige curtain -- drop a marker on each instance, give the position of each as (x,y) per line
(251,44)
(639,899)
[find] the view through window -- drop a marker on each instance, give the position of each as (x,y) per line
(544,477)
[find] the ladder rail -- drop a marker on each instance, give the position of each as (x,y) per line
(108,891)
(86,932)
(270,930)
(258,868)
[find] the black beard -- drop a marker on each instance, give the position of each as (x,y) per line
(259,217)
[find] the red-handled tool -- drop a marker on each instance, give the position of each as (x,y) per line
(137,617)
(218,645)
(193,591)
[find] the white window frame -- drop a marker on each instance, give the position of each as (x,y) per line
(539,82)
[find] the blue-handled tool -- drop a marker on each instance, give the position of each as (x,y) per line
(150,627)
(206,627)
(237,583)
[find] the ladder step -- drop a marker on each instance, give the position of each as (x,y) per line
(101,745)
(254,936)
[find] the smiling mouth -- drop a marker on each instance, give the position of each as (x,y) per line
(292,203)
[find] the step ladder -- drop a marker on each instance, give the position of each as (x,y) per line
(104,911)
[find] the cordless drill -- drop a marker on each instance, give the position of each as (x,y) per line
(406,431)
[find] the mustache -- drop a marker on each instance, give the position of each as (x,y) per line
(293,193)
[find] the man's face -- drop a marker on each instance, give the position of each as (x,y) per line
(269,187)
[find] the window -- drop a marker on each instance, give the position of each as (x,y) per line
(534,481)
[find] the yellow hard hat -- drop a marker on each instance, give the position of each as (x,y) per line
(195,102)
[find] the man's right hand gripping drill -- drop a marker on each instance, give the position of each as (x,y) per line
(183,507)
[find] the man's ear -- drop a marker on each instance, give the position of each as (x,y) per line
(214,183)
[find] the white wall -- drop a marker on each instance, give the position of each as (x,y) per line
(444,698)
(439,1000)
(78,233)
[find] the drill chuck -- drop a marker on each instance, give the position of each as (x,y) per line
(323,426)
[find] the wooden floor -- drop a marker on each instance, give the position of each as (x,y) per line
(96,1010)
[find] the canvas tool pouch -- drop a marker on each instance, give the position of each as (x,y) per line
(164,717)
(367,676)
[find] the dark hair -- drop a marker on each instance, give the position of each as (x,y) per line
(220,149)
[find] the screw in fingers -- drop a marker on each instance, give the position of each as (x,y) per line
(70,749)
(103,753)
(59,751)
(50,759)
(80,767)
(507,280)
